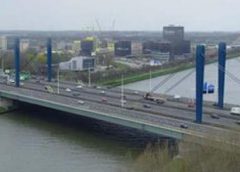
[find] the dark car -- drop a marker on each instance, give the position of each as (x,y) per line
(76,94)
(130,107)
(238,122)
(184,126)
(215,116)
(146,106)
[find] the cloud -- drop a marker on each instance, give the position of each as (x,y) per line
(129,14)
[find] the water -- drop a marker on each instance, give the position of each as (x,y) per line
(187,87)
(42,140)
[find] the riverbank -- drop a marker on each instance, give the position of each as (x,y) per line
(159,72)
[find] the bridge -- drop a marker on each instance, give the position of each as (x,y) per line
(172,119)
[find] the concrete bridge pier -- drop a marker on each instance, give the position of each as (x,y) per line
(7,105)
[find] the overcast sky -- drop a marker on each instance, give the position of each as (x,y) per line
(195,15)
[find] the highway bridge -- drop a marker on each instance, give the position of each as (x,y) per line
(173,119)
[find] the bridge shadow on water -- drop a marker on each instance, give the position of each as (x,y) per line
(127,137)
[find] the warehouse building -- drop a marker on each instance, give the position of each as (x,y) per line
(81,63)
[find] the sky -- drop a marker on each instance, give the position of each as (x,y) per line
(136,15)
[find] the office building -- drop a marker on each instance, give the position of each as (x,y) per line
(123,48)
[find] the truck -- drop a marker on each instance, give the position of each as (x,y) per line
(158,100)
(235,111)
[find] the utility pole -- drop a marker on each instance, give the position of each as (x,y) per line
(89,77)
(122,93)
(150,80)
(2,56)
(58,81)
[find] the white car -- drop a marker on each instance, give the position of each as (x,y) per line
(68,90)
(176,96)
(79,86)
(136,92)
(235,111)
(11,80)
(81,102)
(123,101)
(102,92)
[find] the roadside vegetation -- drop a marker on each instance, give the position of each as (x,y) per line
(214,157)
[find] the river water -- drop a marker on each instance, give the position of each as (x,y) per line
(186,87)
(42,140)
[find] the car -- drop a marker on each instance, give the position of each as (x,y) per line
(146,106)
(103,99)
(123,101)
(184,126)
(136,92)
(79,86)
(191,104)
(98,87)
(215,116)
(176,97)
(238,122)
(102,92)
(81,102)
(37,81)
(21,83)
(130,108)
(76,94)
(49,89)
(235,111)
(68,90)
(11,80)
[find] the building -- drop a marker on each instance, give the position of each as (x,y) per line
(88,46)
(81,63)
(154,46)
(123,48)
(24,44)
(175,35)
(3,43)
(76,47)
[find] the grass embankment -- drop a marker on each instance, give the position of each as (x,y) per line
(193,158)
(156,73)
(144,76)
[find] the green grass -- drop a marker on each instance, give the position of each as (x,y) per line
(215,157)
(143,76)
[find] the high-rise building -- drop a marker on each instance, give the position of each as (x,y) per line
(173,33)
(87,47)
(3,43)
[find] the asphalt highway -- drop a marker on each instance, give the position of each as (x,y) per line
(170,114)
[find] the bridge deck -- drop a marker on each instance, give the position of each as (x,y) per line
(161,119)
